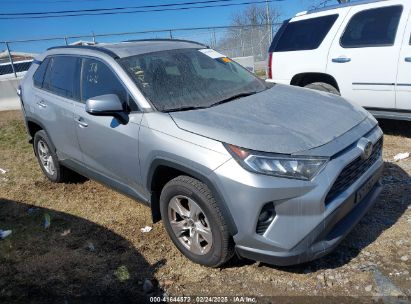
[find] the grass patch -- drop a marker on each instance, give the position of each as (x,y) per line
(78,256)
(13,135)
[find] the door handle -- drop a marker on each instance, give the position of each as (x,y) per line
(407,59)
(341,59)
(81,122)
(41,104)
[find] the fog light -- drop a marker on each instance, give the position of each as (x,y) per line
(265,218)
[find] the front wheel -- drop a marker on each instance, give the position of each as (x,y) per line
(194,222)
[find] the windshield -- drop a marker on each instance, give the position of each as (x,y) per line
(189,78)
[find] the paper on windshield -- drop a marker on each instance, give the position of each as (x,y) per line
(211,53)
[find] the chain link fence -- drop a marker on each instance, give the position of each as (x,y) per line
(233,41)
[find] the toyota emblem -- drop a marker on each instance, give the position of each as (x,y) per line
(365,146)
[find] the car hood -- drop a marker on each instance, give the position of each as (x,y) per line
(282,119)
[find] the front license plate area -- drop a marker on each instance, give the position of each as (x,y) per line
(365,189)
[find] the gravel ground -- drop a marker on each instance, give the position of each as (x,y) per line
(94,250)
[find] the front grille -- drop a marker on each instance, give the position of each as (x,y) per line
(353,171)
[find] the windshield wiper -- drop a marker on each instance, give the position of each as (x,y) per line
(188,108)
(236,96)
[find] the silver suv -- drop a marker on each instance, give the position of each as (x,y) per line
(276,173)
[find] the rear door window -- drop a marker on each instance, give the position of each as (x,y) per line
(63,76)
(372,28)
(38,76)
(304,34)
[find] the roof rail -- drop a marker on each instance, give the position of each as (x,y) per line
(348,4)
(167,39)
(87,47)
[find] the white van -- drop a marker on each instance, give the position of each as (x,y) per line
(360,50)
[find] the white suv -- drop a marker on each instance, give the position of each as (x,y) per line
(360,50)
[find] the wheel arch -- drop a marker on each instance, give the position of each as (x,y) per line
(161,171)
(303,79)
(33,126)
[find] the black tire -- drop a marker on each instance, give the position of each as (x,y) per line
(322,86)
(61,173)
(222,248)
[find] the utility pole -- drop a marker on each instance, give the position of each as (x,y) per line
(10,58)
(214,39)
(270,28)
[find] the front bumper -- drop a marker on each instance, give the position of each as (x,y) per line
(325,237)
(304,227)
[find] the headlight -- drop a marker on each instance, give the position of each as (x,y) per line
(281,165)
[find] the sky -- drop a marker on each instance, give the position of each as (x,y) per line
(21,29)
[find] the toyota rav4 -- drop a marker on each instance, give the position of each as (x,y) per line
(228,162)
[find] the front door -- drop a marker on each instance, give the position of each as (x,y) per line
(109,147)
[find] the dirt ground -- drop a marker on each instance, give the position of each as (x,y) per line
(94,250)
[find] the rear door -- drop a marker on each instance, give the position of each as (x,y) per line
(404,70)
(109,148)
(363,56)
(57,84)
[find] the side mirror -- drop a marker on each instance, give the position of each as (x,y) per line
(106,105)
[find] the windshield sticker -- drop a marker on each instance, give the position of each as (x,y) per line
(211,53)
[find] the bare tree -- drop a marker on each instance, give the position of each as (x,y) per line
(253,33)
(255,15)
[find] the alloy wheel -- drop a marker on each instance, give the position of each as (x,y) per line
(190,224)
(45,157)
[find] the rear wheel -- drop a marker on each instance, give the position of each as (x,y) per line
(48,160)
(194,222)
(322,86)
